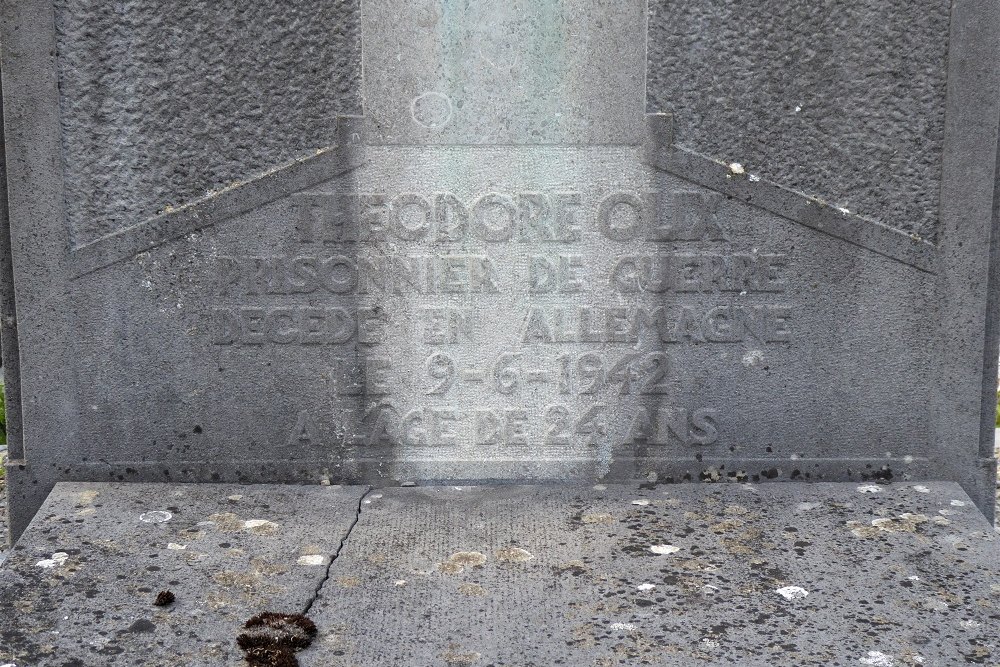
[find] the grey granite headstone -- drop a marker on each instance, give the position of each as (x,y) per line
(505,241)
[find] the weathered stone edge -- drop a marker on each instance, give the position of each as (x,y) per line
(660,152)
(234,200)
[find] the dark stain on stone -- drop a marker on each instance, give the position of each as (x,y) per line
(142,625)
(885,473)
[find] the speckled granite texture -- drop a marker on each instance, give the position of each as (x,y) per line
(840,99)
(530,576)
(161,102)
(82,585)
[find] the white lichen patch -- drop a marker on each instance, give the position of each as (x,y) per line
(157,516)
(844,210)
(806,507)
(455,657)
(792,592)
(958,503)
(754,178)
(86,497)
(460,560)
(753,358)
(645,587)
(862,530)
(736,168)
(57,560)
(641,502)
(472,590)
(870,488)
(235,498)
(970,624)
(317,559)
(664,549)
(261,526)
(935,604)
(904,523)
(921,489)
(877,659)
(471,558)
(622,627)
(600,487)
(376,496)
(399,582)
(173,546)
(514,555)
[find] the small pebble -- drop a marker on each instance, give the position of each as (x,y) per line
(664,549)
(792,592)
(58,558)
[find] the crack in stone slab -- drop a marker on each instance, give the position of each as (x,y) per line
(336,554)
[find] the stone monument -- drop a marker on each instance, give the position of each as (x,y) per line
(432,242)
(443,300)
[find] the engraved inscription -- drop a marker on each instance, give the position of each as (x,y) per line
(556,321)
(497,217)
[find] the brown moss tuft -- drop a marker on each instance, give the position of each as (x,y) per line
(270,639)
(164,598)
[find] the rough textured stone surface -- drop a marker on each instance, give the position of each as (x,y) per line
(79,588)
(161,104)
(4,527)
(786,574)
(738,574)
(840,100)
(548,291)
(511,72)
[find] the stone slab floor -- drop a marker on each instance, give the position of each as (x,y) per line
(517,576)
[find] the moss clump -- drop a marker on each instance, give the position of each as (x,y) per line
(271,640)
